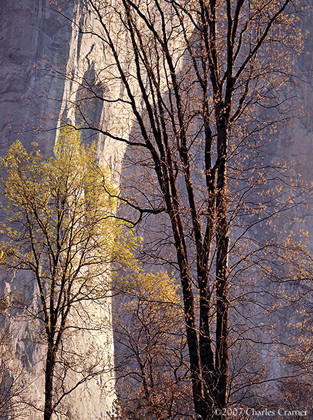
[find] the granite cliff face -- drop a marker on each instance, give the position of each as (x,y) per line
(34,102)
(31,32)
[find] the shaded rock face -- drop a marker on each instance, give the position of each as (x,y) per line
(296,142)
(31,32)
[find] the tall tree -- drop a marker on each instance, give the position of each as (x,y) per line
(199,78)
(59,225)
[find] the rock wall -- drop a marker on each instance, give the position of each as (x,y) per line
(31,34)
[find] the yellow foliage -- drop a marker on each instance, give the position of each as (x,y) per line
(60,218)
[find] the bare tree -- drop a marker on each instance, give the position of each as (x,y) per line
(200,79)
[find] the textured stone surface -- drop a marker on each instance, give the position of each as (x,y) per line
(31,32)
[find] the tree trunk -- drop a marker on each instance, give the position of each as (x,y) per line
(50,364)
(222,244)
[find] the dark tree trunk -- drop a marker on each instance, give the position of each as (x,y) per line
(50,365)
(222,244)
